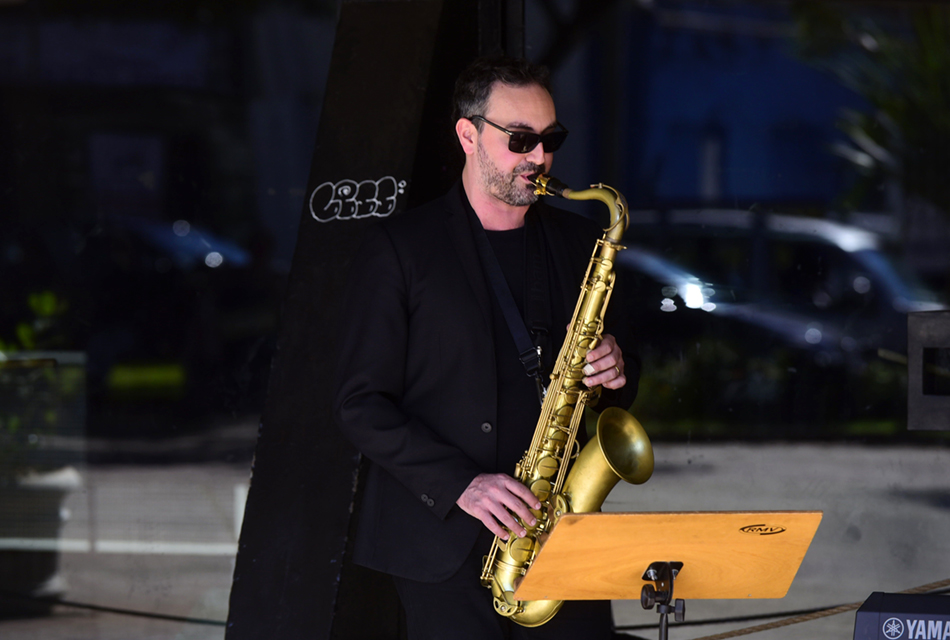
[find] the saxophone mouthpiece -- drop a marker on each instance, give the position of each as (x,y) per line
(545,185)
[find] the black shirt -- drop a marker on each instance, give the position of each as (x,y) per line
(527,265)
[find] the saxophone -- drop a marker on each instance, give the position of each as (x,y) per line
(620,450)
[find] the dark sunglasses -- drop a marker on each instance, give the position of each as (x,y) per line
(525,141)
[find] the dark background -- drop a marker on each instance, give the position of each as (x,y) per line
(119,122)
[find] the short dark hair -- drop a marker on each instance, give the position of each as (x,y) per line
(474,85)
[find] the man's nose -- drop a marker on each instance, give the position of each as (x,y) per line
(536,155)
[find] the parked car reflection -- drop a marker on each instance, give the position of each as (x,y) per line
(172,316)
(750,324)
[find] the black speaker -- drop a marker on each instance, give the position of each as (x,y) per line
(901,616)
(928,371)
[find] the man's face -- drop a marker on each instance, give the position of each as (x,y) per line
(502,173)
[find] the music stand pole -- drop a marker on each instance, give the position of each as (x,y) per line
(662,574)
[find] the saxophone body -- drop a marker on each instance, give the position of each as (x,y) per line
(620,450)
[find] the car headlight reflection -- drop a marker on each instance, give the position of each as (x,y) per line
(692,295)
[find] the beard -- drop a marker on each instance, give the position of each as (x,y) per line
(509,188)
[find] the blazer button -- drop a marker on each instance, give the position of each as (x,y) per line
(430,502)
(425,498)
(486,427)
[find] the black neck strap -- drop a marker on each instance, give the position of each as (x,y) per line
(529,351)
(537,310)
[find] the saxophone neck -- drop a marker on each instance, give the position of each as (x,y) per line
(545,185)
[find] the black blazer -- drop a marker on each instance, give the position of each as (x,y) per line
(417,378)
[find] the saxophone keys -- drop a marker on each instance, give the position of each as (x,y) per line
(541,488)
(506,605)
(521,549)
(547,467)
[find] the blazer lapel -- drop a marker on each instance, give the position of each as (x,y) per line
(459,231)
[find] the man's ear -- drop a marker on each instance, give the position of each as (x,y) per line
(467,133)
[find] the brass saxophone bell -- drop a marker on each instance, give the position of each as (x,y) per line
(626,445)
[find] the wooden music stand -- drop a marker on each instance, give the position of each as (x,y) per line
(711,555)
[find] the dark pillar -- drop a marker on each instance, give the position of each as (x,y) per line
(384,142)
(501,27)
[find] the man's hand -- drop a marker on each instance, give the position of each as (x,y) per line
(605,365)
(490,496)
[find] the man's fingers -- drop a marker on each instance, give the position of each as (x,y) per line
(483,514)
(609,379)
(491,523)
(616,383)
(493,497)
(603,349)
(605,365)
(514,497)
(607,344)
(507,520)
(523,492)
(521,510)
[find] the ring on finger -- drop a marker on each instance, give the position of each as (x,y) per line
(619,372)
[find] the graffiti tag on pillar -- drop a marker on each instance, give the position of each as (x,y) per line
(352,200)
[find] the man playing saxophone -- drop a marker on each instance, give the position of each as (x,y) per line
(436,389)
